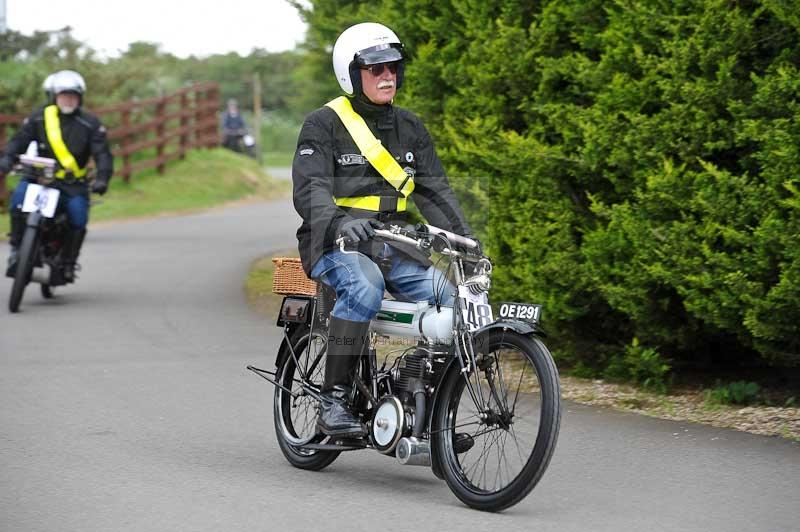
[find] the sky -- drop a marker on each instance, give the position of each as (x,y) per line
(183,28)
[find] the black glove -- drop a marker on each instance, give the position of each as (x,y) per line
(99,187)
(5,166)
(359,229)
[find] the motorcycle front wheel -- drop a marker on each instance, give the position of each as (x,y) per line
(25,262)
(512,421)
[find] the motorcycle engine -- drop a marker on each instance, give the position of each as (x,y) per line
(395,414)
(415,369)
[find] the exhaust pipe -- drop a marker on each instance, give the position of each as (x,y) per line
(41,275)
(413,451)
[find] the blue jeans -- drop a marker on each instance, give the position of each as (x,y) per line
(77,206)
(359,282)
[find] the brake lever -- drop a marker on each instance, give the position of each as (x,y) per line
(342,242)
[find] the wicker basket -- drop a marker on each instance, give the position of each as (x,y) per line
(290,278)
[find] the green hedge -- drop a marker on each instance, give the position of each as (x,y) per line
(638,161)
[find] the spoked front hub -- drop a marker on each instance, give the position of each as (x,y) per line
(501,420)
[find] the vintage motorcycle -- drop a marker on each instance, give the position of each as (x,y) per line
(40,258)
(240,141)
(475,398)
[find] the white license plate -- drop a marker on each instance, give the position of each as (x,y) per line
(476,310)
(42,199)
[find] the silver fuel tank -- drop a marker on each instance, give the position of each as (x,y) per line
(414,320)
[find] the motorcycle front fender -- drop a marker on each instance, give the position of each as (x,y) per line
(520,326)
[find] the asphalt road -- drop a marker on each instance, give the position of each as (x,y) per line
(126,406)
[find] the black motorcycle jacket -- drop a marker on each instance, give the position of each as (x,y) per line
(328,164)
(83,135)
(232,123)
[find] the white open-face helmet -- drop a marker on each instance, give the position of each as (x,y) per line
(364,44)
(47,87)
(65,81)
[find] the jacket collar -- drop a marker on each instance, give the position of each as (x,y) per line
(382,115)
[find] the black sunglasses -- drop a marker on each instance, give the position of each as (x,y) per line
(377,70)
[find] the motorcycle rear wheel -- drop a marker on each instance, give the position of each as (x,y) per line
(296,417)
(25,262)
(514,442)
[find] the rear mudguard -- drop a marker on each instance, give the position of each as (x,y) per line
(283,350)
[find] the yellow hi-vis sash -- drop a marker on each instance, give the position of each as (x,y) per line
(378,156)
(52,127)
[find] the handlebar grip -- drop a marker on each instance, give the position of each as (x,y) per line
(453,238)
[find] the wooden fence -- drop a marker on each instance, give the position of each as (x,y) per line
(148,133)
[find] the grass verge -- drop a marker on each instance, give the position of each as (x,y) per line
(278,158)
(685,404)
(205,178)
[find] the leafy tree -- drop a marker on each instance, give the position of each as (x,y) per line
(631,164)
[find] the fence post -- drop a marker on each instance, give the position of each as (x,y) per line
(184,124)
(213,128)
(200,98)
(257,114)
(4,194)
(160,111)
(124,143)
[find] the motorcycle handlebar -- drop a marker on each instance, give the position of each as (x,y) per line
(421,239)
(453,238)
(38,162)
(387,234)
(394,233)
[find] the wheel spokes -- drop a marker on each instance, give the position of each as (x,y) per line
(300,413)
(502,443)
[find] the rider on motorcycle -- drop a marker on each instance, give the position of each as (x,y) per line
(342,188)
(64,131)
(233,127)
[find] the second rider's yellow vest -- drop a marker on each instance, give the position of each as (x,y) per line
(52,126)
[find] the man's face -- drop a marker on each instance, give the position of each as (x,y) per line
(380,82)
(67,102)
